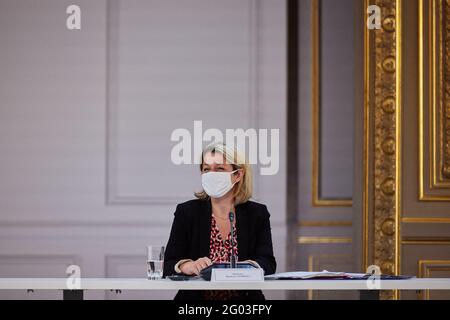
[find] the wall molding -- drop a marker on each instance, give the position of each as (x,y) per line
(426,267)
(325,223)
(426,240)
(323,240)
(433,101)
(42,259)
(382,140)
(113,260)
(315,264)
(317,201)
(425,219)
(112,196)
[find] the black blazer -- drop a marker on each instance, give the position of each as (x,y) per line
(191,231)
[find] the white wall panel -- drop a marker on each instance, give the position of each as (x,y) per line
(86,118)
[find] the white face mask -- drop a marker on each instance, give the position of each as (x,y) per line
(217,184)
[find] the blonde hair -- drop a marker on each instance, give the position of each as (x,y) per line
(243,189)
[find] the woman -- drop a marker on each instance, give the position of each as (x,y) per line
(201,228)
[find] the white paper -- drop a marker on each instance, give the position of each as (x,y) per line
(314,275)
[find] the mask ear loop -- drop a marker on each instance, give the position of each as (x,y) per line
(232,185)
(230,177)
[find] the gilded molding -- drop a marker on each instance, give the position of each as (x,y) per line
(444,52)
(323,240)
(425,220)
(317,200)
(383,103)
(386,118)
(426,267)
(434,99)
(325,223)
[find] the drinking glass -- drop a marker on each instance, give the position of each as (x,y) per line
(155,262)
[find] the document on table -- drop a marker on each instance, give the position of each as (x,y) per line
(303,275)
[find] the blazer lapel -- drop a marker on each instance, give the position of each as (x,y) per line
(242,232)
(205,228)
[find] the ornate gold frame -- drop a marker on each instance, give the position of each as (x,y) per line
(382,140)
(437,102)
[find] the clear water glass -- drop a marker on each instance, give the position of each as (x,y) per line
(155,262)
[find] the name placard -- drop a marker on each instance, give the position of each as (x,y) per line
(237,274)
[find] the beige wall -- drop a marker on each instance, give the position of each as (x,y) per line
(86,118)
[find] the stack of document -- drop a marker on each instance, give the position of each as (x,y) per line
(302,275)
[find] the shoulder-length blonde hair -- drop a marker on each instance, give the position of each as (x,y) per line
(243,190)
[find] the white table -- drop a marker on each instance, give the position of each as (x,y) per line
(164,284)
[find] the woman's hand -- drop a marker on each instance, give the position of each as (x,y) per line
(252,262)
(194,267)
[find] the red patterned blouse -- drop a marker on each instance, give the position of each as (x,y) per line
(220,251)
